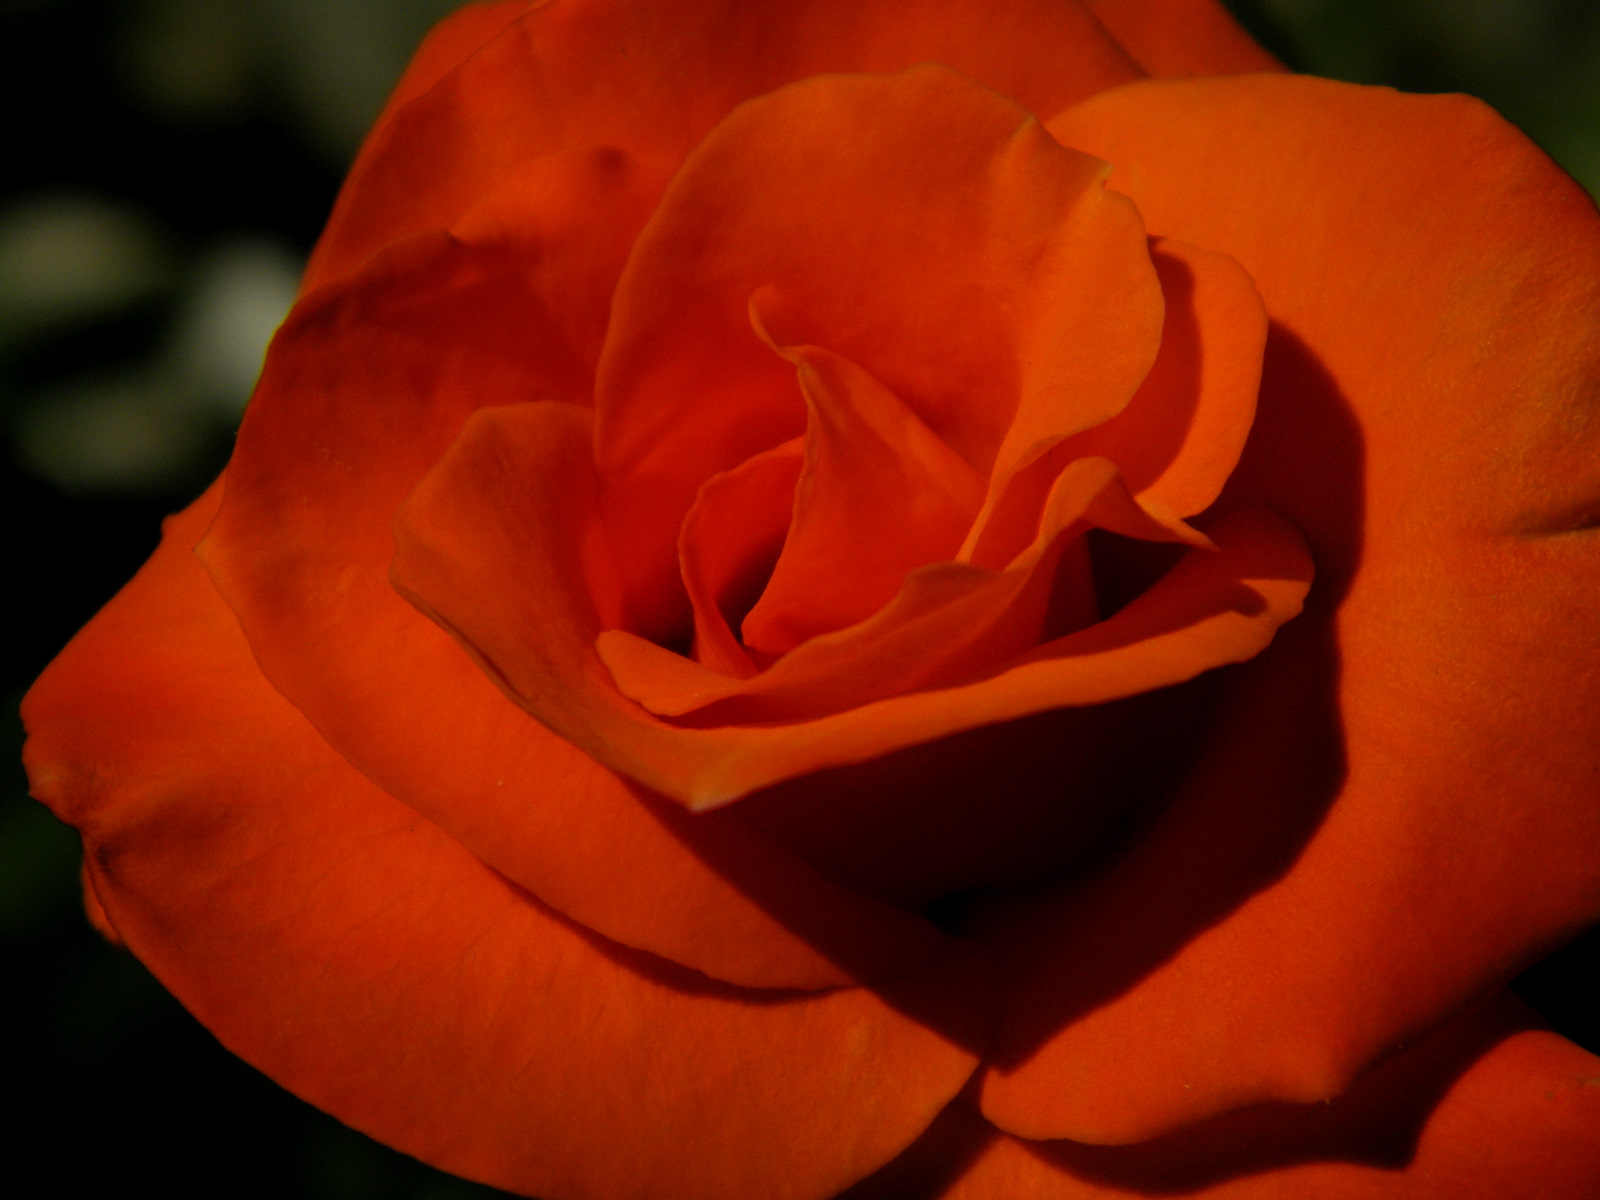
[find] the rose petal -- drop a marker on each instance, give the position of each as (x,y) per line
(364,388)
(96,913)
(1181,436)
(500,565)
(653,79)
(948,622)
(1182,433)
(1412,776)
(1182,37)
(449,44)
(566,222)
(948,255)
(880,495)
(360,956)
(1489,1107)
(729,542)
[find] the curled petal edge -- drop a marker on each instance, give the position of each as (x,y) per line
(474,568)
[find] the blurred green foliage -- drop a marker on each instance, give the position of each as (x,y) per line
(1537,61)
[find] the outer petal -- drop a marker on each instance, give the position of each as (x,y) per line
(1182,37)
(1411,774)
(362,222)
(449,44)
(653,78)
(360,956)
(1487,1109)
(365,387)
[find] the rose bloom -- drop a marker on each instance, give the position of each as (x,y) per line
(700,678)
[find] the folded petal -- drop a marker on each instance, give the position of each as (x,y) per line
(730,540)
(1487,1108)
(1182,433)
(365,387)
(1181,436)
(959,256)
(947,623)
(464,71)
(880,495)
(1182,37)
(907,826)
(1410,771)
(499,85)
(360,956)
(501,564)
(566,222)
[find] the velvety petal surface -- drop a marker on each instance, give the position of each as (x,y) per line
(501,566)
(1181,436)
(918,225)
(360,956)
(880,495)
(366,386)
(1182,433)
(729,542)
(565,224)
(1182,37)
(1489,1108)
(442,51)
(1410,770)
(653,79)
(948,623)
(365,218)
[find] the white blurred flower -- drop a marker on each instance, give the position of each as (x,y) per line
(118,433)
(236,299)
(152,423)
(68,257)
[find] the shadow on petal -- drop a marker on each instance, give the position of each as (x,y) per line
(1378,1123)
(936,1160)
(1097,959)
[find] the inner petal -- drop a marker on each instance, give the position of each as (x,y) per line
(935,234)
(880,495)
(1182,433)
(727,547)
(948,621)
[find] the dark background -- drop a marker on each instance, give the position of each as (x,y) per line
(170,162)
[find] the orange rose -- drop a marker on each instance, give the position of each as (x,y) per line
(695,683)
